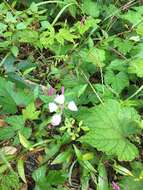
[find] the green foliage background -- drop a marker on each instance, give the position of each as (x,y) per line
(95,50)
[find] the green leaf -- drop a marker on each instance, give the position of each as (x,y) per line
(136,67)
(129,183)
(139,29)
(33,7)
(63,157)
(20,168)
(133,17)
(10,96)
(56,177)
(39,174)
(102,178)
(21,26)
(30,112)
(83,162)
(118,65)
(9,181)
(85,179)
(65,34)
(25,143)
(81,89)
(8,63)
(90,8)
(78,153)
(10,18)
(17,122)
(26,36)
(6,133)
(123,46)
(15,50)
(111,125)
(89,23)
(3,27)
(22,96)
(118,82)
(97,57)
(122,170)
(3,168)
(135,181)
(6,100)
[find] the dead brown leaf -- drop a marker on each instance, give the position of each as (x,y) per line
(24,187)
(8,150)
(2,123)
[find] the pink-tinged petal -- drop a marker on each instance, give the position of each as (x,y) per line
(51,91)
(52,107)
(63,90)
(60,99)
(115,186)
(56,119)
(72,106)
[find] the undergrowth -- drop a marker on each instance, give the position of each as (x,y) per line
(71,95)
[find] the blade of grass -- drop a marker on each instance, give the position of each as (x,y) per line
(61,12)
(97,95)
(49,2)
(137,92)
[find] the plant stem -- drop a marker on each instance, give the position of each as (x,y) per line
(138,91)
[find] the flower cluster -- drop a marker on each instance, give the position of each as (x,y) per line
(57,106)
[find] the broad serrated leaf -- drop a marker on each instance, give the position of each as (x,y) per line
(118,82)
(91,8)
(11,97)
(111,125)
(88,24)
(136,67)
(6,133)
(65,35)
(17,122)
(123,46)
(133,17)
(139,29)
(97,57)
(30,112)
(118,65)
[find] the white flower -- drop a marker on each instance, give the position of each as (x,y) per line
(72,106)
(60,99)
(52,107)
(56,119)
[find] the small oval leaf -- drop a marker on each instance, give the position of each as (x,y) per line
(25,142)
(20,168)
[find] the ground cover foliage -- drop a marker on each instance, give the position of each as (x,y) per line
(71,95)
